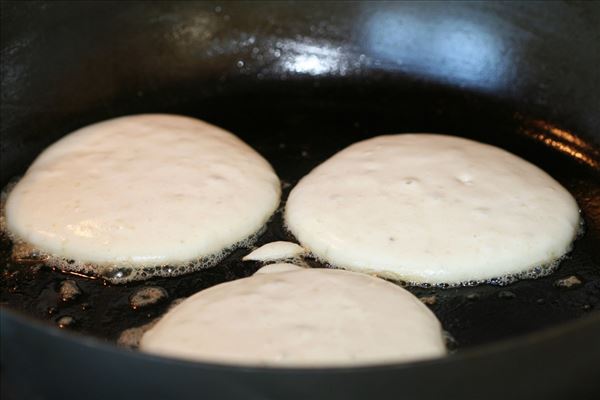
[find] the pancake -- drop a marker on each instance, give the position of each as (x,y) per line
(137,192)
(433,209)
(274,251)
(288,316)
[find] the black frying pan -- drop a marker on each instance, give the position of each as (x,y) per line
(299,82)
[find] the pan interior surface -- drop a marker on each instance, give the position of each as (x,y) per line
(297,132)
(298,96)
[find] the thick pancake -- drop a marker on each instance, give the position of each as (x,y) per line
(143,191)
(427,208)
(290,316)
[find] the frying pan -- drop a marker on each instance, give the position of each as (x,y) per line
(298,82)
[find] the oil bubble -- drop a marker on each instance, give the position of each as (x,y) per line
(65,321)
(507,295)
(147,296)
(429,300)
(69,290)
(568,282)
(473,297)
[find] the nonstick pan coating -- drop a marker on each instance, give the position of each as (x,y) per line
(298,83)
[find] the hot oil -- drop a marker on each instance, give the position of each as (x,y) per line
(296,128)
(23,253)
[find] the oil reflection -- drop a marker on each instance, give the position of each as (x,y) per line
(563,141)
(438,46)
(311,59)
